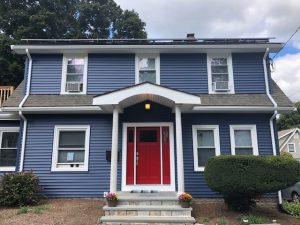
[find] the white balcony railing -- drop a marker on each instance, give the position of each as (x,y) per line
(5,92)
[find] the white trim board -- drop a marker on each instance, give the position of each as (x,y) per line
(124,186)
(116,97)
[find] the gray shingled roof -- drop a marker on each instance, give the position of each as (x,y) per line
(207,99)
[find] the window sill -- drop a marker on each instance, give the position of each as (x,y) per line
(8,169)
(199,169)
(72,93)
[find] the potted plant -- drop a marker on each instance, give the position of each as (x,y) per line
(112,199)
(185,200)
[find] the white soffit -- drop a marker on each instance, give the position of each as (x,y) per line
(149,90)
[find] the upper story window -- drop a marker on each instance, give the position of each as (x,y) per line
(8,148)
(71,148)
(74,74)
(220,74)
(243,140)
(147,69)
(206,144)
(291,147)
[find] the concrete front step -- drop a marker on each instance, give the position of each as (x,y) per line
(147,211)
(147,220)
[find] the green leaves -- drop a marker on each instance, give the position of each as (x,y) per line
(291,120)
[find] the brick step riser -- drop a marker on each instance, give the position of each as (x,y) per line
(148,213)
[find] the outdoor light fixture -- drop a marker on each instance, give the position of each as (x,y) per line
(147,106)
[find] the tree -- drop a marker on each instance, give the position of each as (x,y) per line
(59,19)
(291,120)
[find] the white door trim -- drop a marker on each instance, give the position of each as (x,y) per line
(170,187)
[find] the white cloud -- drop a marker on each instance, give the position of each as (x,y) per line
(287,75)
(216,18)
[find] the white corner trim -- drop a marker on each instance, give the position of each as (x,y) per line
(59,128)
(124,186)
(273,132)
(215,129)
(178,97)
(64,74)
(253,130)
(230,72)
(7,169)
(157,66)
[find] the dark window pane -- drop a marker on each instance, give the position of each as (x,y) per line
(8,157)
(148,76)
(205,138)
(130,136)
(219,69)
(72,139)
(148,136)
(243,151)
(204,154)
(9,139)
(75,69)
(70,156)
(74,78)
(242,138)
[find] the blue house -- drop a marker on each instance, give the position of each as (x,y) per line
(93,116)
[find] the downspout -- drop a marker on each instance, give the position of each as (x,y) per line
(274,114)
(27,91)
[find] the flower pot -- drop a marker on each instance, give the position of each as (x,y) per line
(112,203)
(185,204)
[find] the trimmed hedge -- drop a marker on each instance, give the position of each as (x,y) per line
(19,189)
(241,178)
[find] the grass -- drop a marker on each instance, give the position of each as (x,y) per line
(251,219)
(223,222)
(36,209)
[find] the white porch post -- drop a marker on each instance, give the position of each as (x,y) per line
(179,150)
(114,151)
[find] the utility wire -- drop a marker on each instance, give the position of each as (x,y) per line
(294,93)
(287,42)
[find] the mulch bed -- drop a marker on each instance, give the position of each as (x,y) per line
(88,211)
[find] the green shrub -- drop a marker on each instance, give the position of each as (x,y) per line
(293,208)
(242,178)
(19,189)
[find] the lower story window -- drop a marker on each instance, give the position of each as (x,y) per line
(206,144)
(71,148)
(8,148)
(243,140)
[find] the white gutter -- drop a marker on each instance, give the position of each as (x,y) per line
(21,165)
(274,114)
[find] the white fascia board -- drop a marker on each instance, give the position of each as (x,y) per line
(116,97)
(20,49)
(54,109)
(9,116)
(241,109)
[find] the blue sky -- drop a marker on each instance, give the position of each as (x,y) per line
(230,18)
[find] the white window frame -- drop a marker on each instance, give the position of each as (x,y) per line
(210,56)
(64,74)
(59,128)
(157,66)
(288,147)
(8,129)
(215,129)
(253,130)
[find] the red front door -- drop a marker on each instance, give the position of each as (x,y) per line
(148,156)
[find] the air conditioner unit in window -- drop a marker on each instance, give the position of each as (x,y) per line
(73,87)
(221,86)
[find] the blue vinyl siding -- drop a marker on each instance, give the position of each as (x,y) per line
(108,72)
(194,181)
(38,155)
(248,73)
(46,74)
(185,72)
